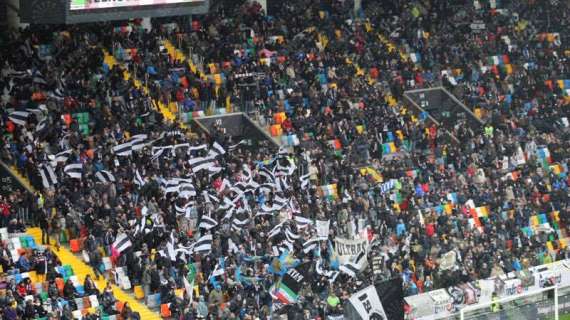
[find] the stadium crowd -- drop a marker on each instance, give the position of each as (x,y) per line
(163,202)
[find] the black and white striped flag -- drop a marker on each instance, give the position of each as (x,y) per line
(125,149)
(207,223)
(63,156)
(122,243)
(39,78)
(214,170)
(49,178)
(138,141)
(302,222)
(186,190)
(105,176)
(282,184)
(275,231)
(204,244)
(246,172)
(327,273)
(239,224)
(268,175)
(19,117)
(354,267)
(209,197)
(233,147)
(138,180)
(291,237)
(305,181)
(158,151)
(216,150)
(74,170)
(185,210)
(279,202)
(18,74)
(310,245)
(170,186)
(266,187)
(201,163)
(42,125)
(346,196)
(239,188)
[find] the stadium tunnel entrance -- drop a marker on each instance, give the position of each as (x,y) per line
(238,126)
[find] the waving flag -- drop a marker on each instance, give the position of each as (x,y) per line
(201,163)
(287,291)
(208,223)
(122,243)
(204,244)
(49,178)
(19,117)
(105,176)
(381,301)
(354,267)
(74,170)
(123,150)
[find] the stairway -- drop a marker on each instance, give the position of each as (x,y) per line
(67,257)
(166,111)
(81,270)
(21,179)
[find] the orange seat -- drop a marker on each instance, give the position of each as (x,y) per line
(279,117)
(119,306)
(276,130)
(165,311)
(59,283)
(75,245)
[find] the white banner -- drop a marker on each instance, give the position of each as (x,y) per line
(347,249)
(368,304)
(447,261)
(421,306)
(323,229)
(442,302)
(487,287)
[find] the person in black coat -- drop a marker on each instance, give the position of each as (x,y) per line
(69,290)
(89,286)
(44,226)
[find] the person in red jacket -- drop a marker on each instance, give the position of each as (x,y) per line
(5,209)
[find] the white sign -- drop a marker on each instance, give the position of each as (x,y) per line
(442,302)
(323,229)
(348,249)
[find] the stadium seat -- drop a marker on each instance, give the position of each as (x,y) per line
(276,130)
(165,310)
(139,292)
(153,300)
(119,306)
(75,245)
(59,283)
(279,117)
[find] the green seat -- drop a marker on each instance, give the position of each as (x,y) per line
(24,242)
(68,270)
(63,237)
(84,129)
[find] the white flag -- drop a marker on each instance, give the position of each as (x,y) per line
(368,304)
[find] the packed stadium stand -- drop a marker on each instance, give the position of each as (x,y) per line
(302,159)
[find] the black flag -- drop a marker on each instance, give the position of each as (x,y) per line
(382,301)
